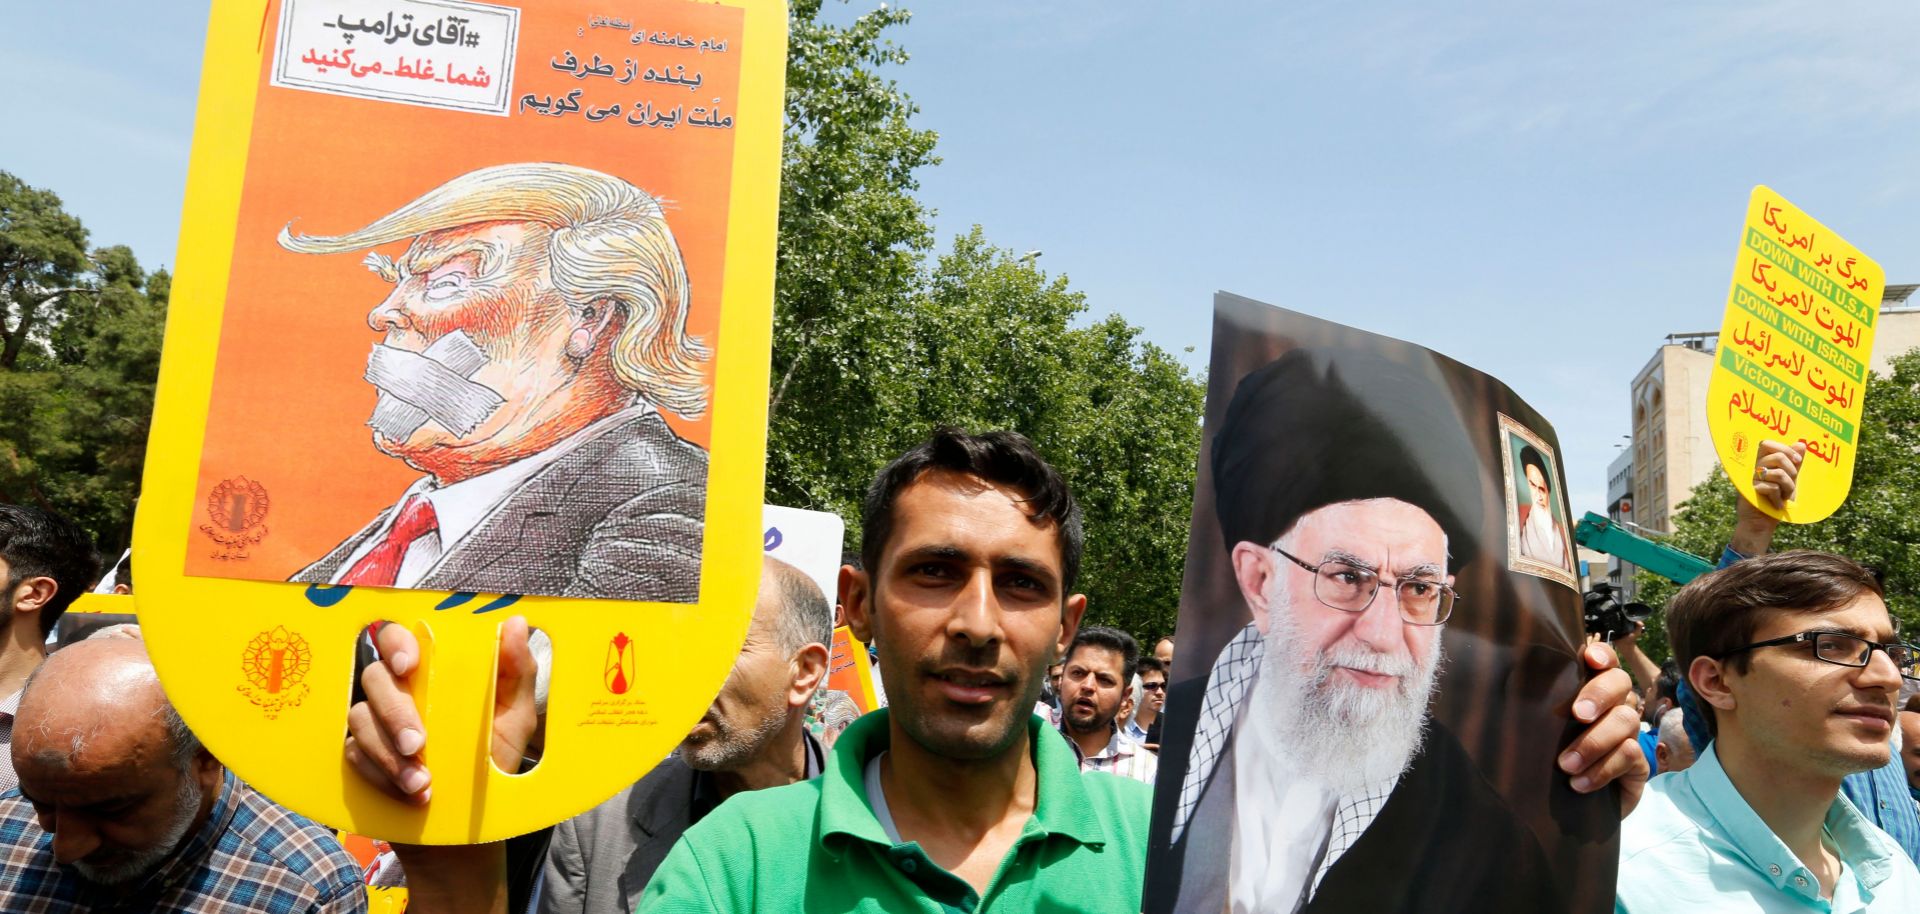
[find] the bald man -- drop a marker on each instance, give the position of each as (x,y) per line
(120,808)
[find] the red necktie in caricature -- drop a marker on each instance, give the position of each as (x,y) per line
(381,564)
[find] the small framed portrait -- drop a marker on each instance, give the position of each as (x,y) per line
(1539,540)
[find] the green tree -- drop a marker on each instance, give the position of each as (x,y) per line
(874,347)
(43,255)
(1878,525)
(996,346)
(851,239)
(81,352)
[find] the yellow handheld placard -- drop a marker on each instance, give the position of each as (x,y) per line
(849,670)
(1793,353)
(102,603)
(472,319)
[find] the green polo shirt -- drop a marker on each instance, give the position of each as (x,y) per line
(816,846)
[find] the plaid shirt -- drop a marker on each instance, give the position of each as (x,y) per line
(251,856)
(1233,677)
(9,706)
(1122,756)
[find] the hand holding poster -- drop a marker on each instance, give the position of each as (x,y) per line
(472,320)
(1380,607)
(1793,354)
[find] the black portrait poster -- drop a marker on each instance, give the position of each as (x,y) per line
(1379,642)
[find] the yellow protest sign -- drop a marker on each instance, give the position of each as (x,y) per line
(472,318)
(849,670)
(1793,353)
(102,603)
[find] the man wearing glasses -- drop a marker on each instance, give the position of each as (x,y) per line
(1795,666)
(1316,779)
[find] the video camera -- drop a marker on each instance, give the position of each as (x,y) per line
(1609,618)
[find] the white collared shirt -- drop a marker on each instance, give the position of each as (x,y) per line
(461,507)
(1289,830)
(1281,820)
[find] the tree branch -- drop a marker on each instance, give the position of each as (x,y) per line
(806,345)
(16,336)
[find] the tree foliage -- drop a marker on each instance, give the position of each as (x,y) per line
(1879,525)
(874,346)
(81,352)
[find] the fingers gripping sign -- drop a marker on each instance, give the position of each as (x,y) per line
(1606,752)
(1776,472)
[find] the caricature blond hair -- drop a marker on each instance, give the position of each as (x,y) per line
(609,242)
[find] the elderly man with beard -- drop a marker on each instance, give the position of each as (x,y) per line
(753,737)
(120,808)
(535,332)
(1316,779)
(1542,537)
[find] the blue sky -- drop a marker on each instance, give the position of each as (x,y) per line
(1543,191)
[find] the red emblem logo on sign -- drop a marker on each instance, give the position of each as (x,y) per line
(238,511)
(275,664)
(618,672)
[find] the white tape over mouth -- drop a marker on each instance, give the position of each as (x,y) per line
(418,387)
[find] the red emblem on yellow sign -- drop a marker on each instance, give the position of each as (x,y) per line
(238,510)
(619,668)
(275,664)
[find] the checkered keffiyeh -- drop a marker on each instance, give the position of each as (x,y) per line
(1350,820)
(1234,675)
(251,856)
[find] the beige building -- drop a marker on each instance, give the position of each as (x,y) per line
(1671,449)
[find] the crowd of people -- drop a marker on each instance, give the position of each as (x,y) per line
(1012,768)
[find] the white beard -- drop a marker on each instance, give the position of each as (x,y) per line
(1539,539)
(1345,736)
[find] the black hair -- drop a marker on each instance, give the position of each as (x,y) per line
(1667,684)
(1718,612)
(37,544)
(1112,639)
(1529,457)
(1003,458)
(1151,664)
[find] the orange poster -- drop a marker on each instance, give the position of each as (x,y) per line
(502,317)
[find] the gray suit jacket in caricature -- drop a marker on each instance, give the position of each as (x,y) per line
(621,515)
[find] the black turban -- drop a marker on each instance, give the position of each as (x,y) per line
(1320,426)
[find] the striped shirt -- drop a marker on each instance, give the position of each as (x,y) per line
(251,856)
(1123,756)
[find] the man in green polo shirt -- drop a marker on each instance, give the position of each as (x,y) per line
(956,798)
